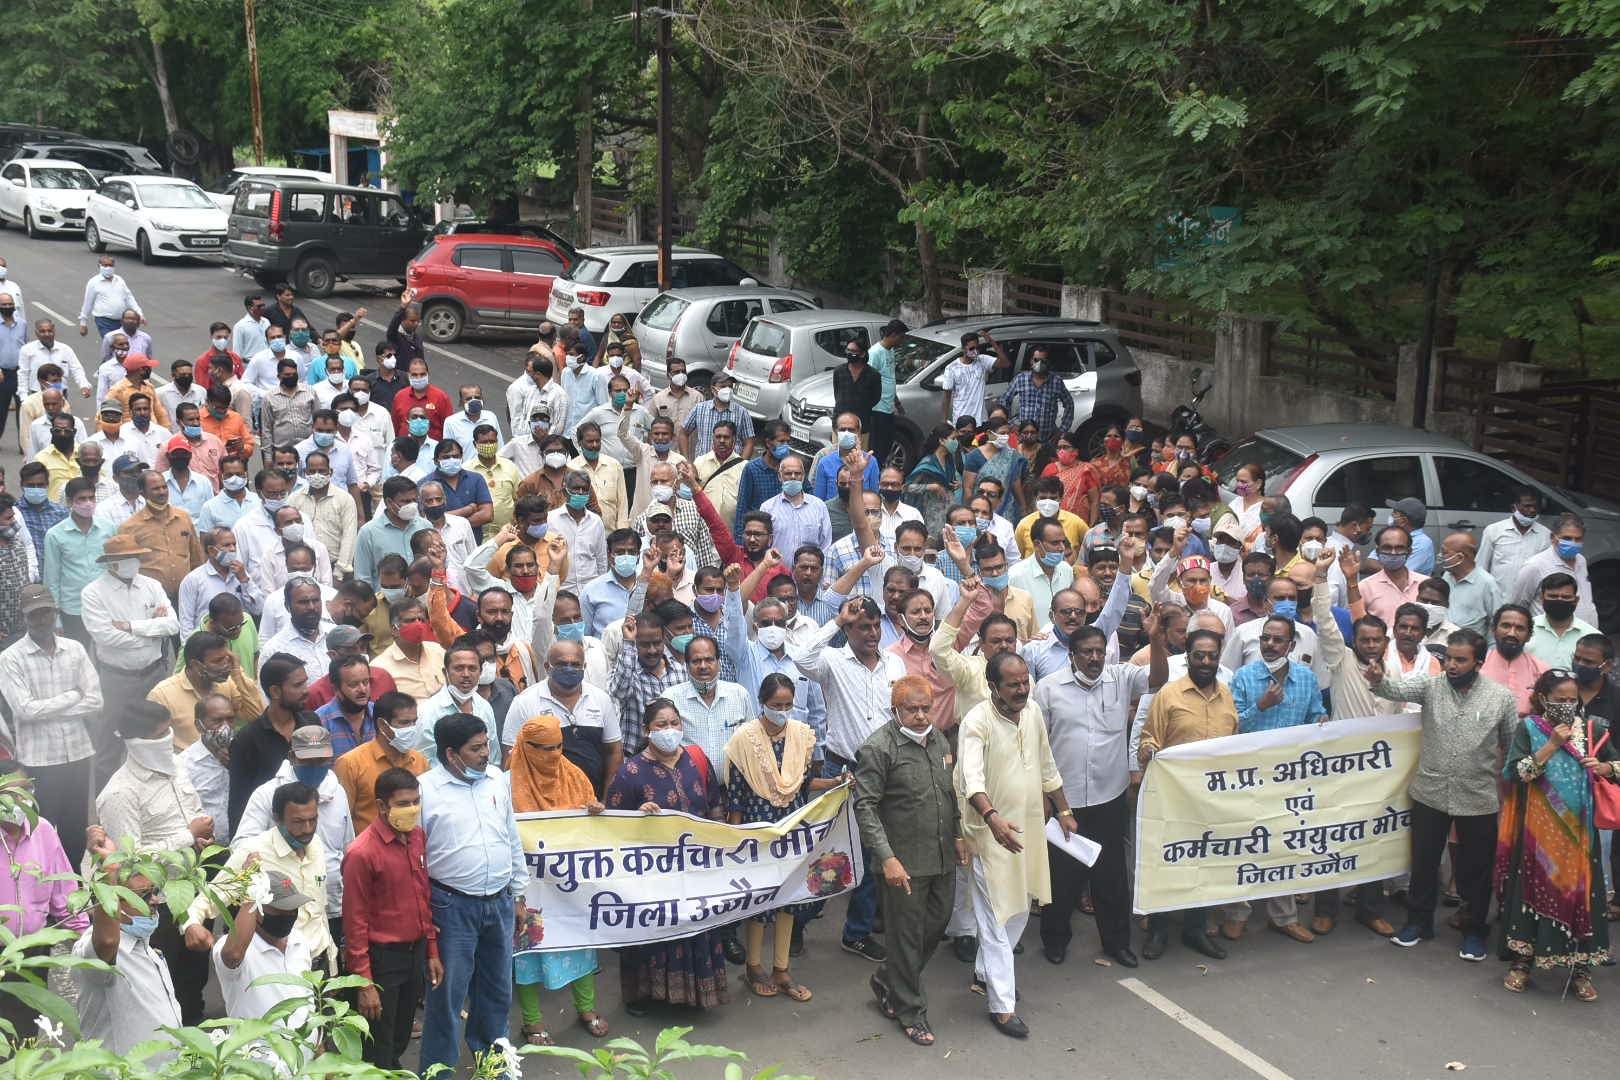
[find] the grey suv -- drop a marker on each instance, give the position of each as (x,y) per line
(1088,356)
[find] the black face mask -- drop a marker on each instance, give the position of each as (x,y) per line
(288,381)
(435,513)
(1557,610)
(843,494)
(498,630)
(91,473)
(183,382)
(277,924)
(1201,677)
(64,443)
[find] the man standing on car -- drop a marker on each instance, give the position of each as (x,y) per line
(1041,397)
(881,358)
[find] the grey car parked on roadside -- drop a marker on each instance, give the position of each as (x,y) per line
(700,326)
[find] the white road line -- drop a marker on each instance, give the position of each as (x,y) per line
(1254,1062)
(61,321)
(457,357)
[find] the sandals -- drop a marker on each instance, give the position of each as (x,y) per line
(785,985)
(537,1036)
(919,1033)
(594,1024)
(758,984)
(1517,979)
(1580,984)
(884,999)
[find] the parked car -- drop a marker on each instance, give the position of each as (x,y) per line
(483,281)
(1323,467)
(103,157)
(540,230)
(623,279)
(14,135)
(701,325)
(160,217)
(223,189)
(314,234)
(43,195)
(1089,357)
(780,351)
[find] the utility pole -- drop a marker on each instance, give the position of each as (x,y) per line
(253,81)
(666,188)
(584,152)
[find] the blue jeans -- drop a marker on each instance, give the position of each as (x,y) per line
(475,947)
(863,900)
(106,324)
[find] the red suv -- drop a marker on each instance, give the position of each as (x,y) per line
(484,281)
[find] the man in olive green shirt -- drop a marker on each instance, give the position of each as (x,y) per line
(910,826)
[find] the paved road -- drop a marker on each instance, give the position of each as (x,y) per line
(1349,1006)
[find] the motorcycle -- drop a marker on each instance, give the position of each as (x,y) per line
(1187,420)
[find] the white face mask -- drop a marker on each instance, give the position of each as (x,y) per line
(914,563)
(1438,614)
(554,460)
(1046,507)
(222,343)
(1276,666)
(678,379)
(1138,492)
(486,673)
(616,362)
(1310,550)
(772,637)
(1227,553)
(127,568)
(336,378)
(665,740)
(154,754)
(407,512)
(723,395)
(362,398)
(918,737)
(348,418)
(662,493)
(294,533)
(1176,522)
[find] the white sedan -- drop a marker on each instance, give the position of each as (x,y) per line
(160,217)
(43,195)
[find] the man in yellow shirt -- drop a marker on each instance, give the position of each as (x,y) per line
(357,770)
(58,457)
(210,668)
(415,659)
(1048,493)
(501,475)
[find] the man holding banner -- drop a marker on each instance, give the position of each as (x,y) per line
(1185,711)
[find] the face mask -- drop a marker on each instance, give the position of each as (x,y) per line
(278,345)
(1051,559)
(417,426)
(1200,525)
(567,679)
(1195,595)
(392,595)
(998,582)
(578,500)
(616,361)
(711,602)
(84,509)
(1437,614)
(154,754)
(1391,562)
(1524,521)
(571,361)
(487,672)
(227,559)
(914,563)
(1462,682)
(1286,609)
(292,841)
(916,633)
(555,459)
(127,568)
(847,440)
(620,399)
(723,395)
(571,631)
(362,398)
(474,407)
(983,523)
(1586,674)
(951,445)
(311,774)
(678,379)
(318,481)
(772,637)
(106,273)
(1108,514)
(142,422)
(1225,553)
(450,466)
(403,738)
(1559,712)
(780,451)
(918,737)
(1568,549)
(1558,610)
(419,383)
(590,454)
(1310,550)
(288,382)
(624,564)
(300,338)
(525,584)
(140,926)
(679,642)
(1277,666)
(487,451)
(293,533)
(407,512)
(221,344)
(665,740)
(663,493)
(403,819)
(793,488)
(217,739)
(436,514)
(1000,440)
(35,495)
(1038,367)
(1046,507)
(966,534)
(325,439)
(277,924)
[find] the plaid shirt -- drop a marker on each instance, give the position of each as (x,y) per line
(1301,703)
(841,557)
(634,688)
(39,520)
(48,726)
(758,482)
(337,725)
(690,527)
(1042,404)
(701,420)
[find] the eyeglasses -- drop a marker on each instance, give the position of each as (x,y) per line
(1069,612)
(771,622)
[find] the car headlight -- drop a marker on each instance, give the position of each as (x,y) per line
(167,225)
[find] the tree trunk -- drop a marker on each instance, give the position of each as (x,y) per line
(160,80)
(584,152)
(1445,325)
(927,257)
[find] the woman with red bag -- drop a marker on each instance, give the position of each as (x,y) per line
(1562,771)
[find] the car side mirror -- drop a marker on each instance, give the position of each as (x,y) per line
(748,283)
(1088,382)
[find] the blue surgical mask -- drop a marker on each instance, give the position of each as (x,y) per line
(417,426)
(292,841)
(567,678)
(685,491)
(571,631)
(35,495)
(966,534)
(780,451)
(995,581)
(419,382)
(847,440)
(450,466)
(1051,559)
(661,446)
(194,431)
(793,488)
(679,642)
(272,505)
(278,345)
(141,926)
(325,439)
(1568,549)
(624,565)
(1285,609)
(537,531)
(311,774)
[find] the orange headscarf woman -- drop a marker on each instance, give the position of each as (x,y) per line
(542,779)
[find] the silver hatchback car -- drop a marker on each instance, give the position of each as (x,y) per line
(778,352)
(1322,467)
(700,326)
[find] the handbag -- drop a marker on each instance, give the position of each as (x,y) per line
(1605,796)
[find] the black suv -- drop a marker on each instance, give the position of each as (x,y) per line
(103,157)
(314,234)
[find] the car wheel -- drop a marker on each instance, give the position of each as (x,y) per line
(28,224)
(1605,580)
(442,322)
(316,276)
(92,237)
(268,282)
(903,454)
(143,249)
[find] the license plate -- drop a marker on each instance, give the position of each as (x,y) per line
(799,432)
(206,241)
(747,394)
(250,238)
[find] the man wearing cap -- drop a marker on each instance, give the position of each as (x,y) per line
(209,668)
(114,435)
(310,762)
(167,534)
(260,944)
(54,695)
(188,490)
(129,618)
(137,380)
(341,642)
(58,457)
(1410,514)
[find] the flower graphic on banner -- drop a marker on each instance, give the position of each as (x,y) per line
(832,873)
(531,931)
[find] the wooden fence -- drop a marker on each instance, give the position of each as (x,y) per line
(1032,296)
(953,289)
(1351,365)
(1164,326)
(610,213)
(1567,434)
(1462,383)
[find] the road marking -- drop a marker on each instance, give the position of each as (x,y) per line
(1254,1062)
(59,320)
(457,357)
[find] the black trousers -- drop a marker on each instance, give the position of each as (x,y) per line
(8,397)
(400,972)
(63,794)
(73,627)
(1369,901)
(1110,896)
(882,436)
(1476,852)
(187,969)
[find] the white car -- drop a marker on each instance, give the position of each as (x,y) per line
(44,196)
(223,190)
(160,217)
(623,279)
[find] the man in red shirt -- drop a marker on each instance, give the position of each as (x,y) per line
(347,641)
(388,931)
(419,391)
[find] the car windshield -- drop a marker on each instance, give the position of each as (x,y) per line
(588,270)
(1277,462)
(662,312)
(142,159)
(174,197)
(915,354)
(64,179)
(765,339)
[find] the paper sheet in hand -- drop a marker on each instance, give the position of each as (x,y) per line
(1076,846)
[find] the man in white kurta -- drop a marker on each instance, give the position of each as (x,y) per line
(1004,768)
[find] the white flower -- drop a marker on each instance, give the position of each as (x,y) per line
(49,1034)
(509,1054)
(218,1035)
(259,891)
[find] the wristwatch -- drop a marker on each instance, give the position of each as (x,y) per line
(986,815)
(1067,812)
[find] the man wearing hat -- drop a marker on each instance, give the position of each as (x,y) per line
(267,942)
(167,532)
(309,761)
(138,380)
(129,618)
(114,436)
(345,641)
(1410,514)
(54,695)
